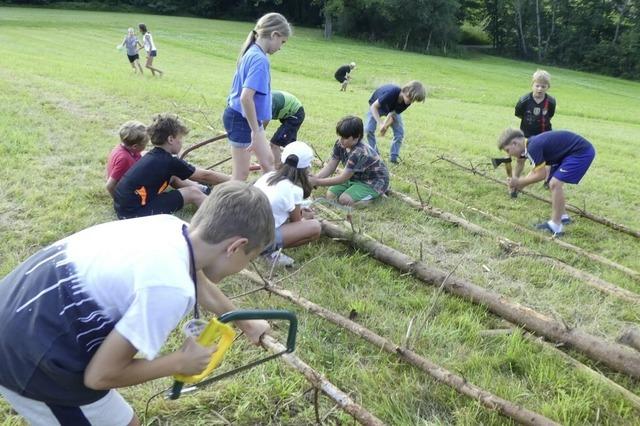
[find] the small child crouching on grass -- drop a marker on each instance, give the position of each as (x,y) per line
(286,189)
(365,176)
(133,140)
(141,191)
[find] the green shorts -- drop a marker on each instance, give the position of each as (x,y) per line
(358,191)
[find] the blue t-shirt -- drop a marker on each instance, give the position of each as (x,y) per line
(387,96)
(253,73)
(550,148)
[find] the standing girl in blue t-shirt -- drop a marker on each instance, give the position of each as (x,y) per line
(249,102)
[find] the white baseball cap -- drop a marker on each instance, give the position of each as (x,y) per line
(300,150)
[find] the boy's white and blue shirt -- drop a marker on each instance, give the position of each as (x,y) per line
(58,306)
(253,73)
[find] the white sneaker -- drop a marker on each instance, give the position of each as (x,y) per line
(279,258)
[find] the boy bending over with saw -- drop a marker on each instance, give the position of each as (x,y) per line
(75,314)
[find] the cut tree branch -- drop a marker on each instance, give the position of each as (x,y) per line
(614,356)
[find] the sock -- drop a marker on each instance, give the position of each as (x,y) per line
(564,216)
(556,227)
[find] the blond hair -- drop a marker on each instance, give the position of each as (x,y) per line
(133,133)
(415,90)
(507,136)
(542,76)
(268,24)
(236,209)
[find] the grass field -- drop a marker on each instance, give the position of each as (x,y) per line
(65,90)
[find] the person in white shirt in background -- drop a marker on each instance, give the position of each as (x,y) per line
(150,48)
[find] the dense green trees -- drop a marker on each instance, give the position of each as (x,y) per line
(594,35)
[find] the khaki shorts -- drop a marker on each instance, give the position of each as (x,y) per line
(111,410)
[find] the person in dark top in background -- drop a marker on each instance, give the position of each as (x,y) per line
(569,156)
(535,109)
(390,101)
(343,75)
(141,191)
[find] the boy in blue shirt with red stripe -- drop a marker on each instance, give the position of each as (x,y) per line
(568,154)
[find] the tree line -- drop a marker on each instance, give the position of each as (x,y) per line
(592,35)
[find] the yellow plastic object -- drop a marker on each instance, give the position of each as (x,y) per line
(217,333)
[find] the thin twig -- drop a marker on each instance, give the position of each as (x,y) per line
(415,182)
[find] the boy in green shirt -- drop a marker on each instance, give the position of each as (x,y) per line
(288,109)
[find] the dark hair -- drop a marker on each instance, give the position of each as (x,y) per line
(142,28)
(350,126)
(165,125)
(289,170)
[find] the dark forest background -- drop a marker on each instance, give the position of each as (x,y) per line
(600,36)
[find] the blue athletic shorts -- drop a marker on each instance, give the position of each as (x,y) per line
(573,167)
(237,128)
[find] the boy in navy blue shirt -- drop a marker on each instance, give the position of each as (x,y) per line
(390,101)
(141,191)
(569,156)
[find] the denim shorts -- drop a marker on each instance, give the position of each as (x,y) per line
(237,128)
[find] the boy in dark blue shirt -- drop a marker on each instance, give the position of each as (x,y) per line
(390,101)
(141,191)
(569,156)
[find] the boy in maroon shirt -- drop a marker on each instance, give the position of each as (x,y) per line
(133,140)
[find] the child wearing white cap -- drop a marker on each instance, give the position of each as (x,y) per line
(286,189)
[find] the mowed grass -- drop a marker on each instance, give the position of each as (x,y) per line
(65,90)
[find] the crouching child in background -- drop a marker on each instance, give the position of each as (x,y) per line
(365,176)
(289,111)
(142,189)
(286,189)
(75,314)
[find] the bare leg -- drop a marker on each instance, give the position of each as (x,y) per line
(192,195)
(240,158)
(298,233)
(265,156)
(557,200)
(277,152)
(137,62)
(149,65)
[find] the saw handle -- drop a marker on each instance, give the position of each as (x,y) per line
(219,332)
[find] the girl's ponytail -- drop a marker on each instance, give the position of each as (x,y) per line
(269,23)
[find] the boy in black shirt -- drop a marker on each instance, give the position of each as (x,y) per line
(343,75)
(141,191)
(535,109)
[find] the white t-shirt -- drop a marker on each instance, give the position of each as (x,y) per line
(138,272)
(148,42)
(283,196)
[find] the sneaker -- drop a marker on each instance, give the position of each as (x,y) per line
(394,160)
(279,258)
(545,185)
(566,220)
(544,226)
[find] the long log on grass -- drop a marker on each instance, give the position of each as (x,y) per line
(320,382)
(588,278)
(574,209)
(460,384)
(538,235)
(631,338)
(613,355)
(201,144)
